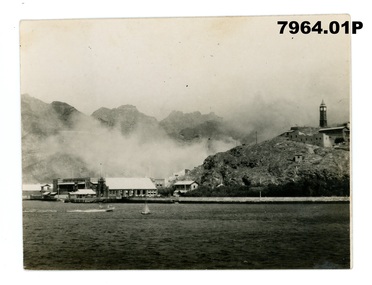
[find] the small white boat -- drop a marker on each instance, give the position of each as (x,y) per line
(102,210)
(146,210)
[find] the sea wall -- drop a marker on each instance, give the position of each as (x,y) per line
(243,200)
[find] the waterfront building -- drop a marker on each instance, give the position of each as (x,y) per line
(120,187)
(185,186)
(65,185)
(30,189)
(38,192)
(82,195)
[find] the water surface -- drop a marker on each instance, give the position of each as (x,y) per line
(186,236)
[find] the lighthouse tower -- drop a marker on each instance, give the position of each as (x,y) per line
(323,115)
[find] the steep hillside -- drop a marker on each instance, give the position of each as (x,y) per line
(177,121)
(273,163)
(49,166)
(191,127)
(67,114)
(38,118)
(41,119)
(126,118)
(45,128)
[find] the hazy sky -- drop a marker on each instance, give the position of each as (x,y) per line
(241,68)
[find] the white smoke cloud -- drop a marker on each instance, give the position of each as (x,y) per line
(143,153)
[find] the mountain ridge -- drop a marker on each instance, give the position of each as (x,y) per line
(58,127)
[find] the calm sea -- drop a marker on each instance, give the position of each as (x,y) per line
(186,236)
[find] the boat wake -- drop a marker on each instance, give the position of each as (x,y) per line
(39,211)
(91,211)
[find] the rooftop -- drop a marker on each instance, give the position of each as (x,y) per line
(186,182)
(31,187)
(333,128)
(83,192)
(130,183)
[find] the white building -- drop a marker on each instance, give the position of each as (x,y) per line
(82,195)
(131,187)
(185,186)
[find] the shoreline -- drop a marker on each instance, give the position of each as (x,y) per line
(207,200)
(243,200)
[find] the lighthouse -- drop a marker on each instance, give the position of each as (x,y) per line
(323,115)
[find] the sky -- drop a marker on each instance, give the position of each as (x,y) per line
(241,68)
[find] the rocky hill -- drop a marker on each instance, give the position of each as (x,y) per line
(44,129)
(38,118)
(273,162)
(177,121)
(189,127)
(45,167)
(41,119)
(126,118)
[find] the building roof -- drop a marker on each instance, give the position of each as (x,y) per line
(333,129)
(186,182)
(130,183)
(71,183)
(31,187)
(83,192)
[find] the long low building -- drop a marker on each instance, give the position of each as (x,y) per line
(116,188)
(82,195)
(130,187)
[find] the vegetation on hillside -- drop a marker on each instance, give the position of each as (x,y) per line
(302,188)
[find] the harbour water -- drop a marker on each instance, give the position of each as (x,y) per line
(186,236)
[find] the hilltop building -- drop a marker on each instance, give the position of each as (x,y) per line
(337,135)
(319,139)
(323,136)
(298,158)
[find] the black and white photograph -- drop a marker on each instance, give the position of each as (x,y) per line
(186,143)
